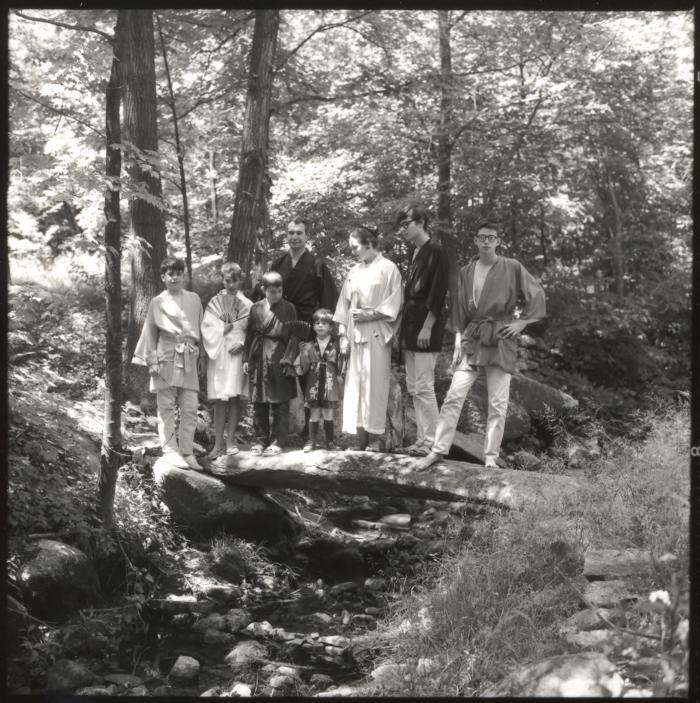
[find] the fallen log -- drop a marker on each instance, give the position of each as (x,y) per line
(377,474)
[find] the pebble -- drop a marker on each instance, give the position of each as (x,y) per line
(241,690)
(214,621)
(321,680)
(137,691)
(289,671)
(370,610)
(213,692)
(375,584)
(321,618)
(88,691)
(363,619)
(123,679)
(336,640)
(282,682)
(185,670)
(343,587)
(396,520)
(259,629)
(346,618)
(163,690)
(245,654)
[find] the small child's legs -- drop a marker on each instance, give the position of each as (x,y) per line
(315,438)
(235,406)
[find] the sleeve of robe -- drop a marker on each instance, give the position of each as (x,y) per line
(439,281)
(533,295)
(342,308)
(250,330)
(329,292)
(212,333)
(458,308)
(390,304)
(146,351)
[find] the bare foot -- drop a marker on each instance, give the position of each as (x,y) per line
(428,461)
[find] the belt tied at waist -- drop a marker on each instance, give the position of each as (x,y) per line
(183,352)
(485,331)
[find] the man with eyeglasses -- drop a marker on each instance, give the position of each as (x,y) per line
(422,322)
(486,335)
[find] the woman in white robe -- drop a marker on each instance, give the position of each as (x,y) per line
(367,314)
(223,334)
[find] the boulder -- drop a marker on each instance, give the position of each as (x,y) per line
(576,675)
(185,671)
(534,397)
(524,461)
(614,563)
(67,675)
(246,654)
(208,505)
(56,579)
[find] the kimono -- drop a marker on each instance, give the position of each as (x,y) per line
(323,369)
(506,282)
(225,377)
(373,286)
(308,285)
(425,291)
(266,345)
(170,339)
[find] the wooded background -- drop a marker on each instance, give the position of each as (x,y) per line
(573,129)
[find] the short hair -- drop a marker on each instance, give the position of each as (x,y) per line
(299,221)
(415,211)
(323,315)
(488,224)
(231,268)
(366,235)
(172,263)
(271,279)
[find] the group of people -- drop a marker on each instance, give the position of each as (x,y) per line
(258,349)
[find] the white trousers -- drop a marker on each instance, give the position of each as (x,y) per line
(169,400)
(420,383)
(498,387)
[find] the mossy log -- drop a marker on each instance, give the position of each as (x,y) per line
(378,474)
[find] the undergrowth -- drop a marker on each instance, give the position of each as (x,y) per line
(500,601)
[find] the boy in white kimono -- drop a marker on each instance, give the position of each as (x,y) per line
(169,346)
(223,334)
(486,335)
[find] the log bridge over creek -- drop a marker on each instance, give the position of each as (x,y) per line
(378,474)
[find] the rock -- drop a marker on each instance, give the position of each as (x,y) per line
(185,671)
(246,654)
(320,619)
(216,637)
(534,397)
(204,502)
(587,620)
(469,446)
(343,587)
(237,619)
(56,580)
(164,690)
(241,690)
(613,563)
(127,680)
(608,594)
(292,671)
(96,691)
(213,692)
(524,461)
(371,610)
(259,629)
(342,692)
(396,520)
(601,640)
(66,675)
(282,682)
(214,621)
(363,619)
(321,680)
(527,341)
(224,593)
(231,566)
(390,676)
(569,675)
(375,584)
(335,640)
(137,691)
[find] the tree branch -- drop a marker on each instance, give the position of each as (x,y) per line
(56,23)
(55,110)
(320,28)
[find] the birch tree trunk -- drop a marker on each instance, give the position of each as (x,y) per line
(253,188)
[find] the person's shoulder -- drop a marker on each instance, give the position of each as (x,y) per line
(192,295)
(279,261)
(245,300)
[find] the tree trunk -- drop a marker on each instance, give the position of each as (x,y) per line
(444,153)
(110,456)
(618,257)
(180,160)
(543,237)
(214,201)
(146,224)
(252,190)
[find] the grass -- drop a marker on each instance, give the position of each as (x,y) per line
(499,602)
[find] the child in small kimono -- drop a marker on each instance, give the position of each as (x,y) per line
(272,382)
(322,360)
(223,335)
(169,346)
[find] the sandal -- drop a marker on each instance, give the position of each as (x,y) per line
(407,450)
(420,450)
(256,449)
(215,453)
(309,446)
(232,450)
(272,450)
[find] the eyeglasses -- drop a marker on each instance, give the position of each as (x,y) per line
(483,238)
(404,224)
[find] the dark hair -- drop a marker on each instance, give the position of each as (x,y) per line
(299,221)
(487,224)
(323,315)
(415,212)
(271,279)
(171,263)
(366,235)
(231,268)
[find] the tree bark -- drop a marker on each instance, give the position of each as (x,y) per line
(252,190)
(146,223)
(444,153)
(214,200)
(110,456)
(180,160)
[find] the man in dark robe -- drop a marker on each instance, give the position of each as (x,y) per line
(422,322)
(307,283)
